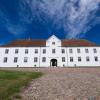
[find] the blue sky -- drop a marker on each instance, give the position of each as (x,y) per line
(39,19)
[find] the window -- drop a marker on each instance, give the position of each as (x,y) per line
(35,59)
(86,50)
(44,51)
(53,43)
(70,50)
(36,50)
(63,59)
(16,50)
(79,59)
(95,50)
(15,59)
(6,51)
(63,50)
(43,59)
(78,51)
(5,59)
(53,51)
(87,59)
(26,51)
(71,59)
(96,58)
(25,59)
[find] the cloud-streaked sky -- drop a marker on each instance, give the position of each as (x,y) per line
(39,19)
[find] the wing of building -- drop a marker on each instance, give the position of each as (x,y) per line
(52,52)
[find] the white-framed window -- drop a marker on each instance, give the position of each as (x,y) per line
(63,50)
(15,59)
(16,51)
(96,58)
(26,51)
(95,50)
(70,51)
(53,51)
(86,50)
(44,51)
(53,43)
(35,59)
(6,51)
(78,51)
(87,58)
(63,59)
(71,59)
(79,59)
(36,50)
(43,59)
(25,59)
(5,59)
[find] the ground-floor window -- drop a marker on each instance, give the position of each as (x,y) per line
(71,59)
(96,58)
(43,59)
(35,59)
(63,59)
(25,59)
(5,59)
(15,59)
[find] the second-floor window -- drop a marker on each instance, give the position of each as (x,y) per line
(26,51)
(86,50)
(95,50)
(6,51)
(16,51)
(78,51)
(53,43)
(63,50)
(36,50)
(44,51)
(70,51)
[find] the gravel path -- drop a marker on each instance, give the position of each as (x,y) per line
(64,84)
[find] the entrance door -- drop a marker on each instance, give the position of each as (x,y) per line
(53,62)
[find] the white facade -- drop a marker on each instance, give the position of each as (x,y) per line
(52,55)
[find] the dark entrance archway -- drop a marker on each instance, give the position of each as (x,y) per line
(53,62)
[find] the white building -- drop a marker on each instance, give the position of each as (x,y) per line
(50,53)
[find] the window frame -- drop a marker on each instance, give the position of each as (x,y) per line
(63,59)
(35,59)
(5,59)
(43,59)
(15,59)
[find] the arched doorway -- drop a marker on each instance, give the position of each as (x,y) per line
(53,62)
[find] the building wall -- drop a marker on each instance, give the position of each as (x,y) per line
(49,55)
(51,44)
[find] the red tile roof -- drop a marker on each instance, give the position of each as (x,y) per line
(40,43)
(77,43)
(26,43)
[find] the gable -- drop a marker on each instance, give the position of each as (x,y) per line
(53,41)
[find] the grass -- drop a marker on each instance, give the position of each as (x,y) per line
(11,82)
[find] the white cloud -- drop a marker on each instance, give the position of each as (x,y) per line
(75,16)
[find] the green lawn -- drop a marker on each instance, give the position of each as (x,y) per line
(11,82)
